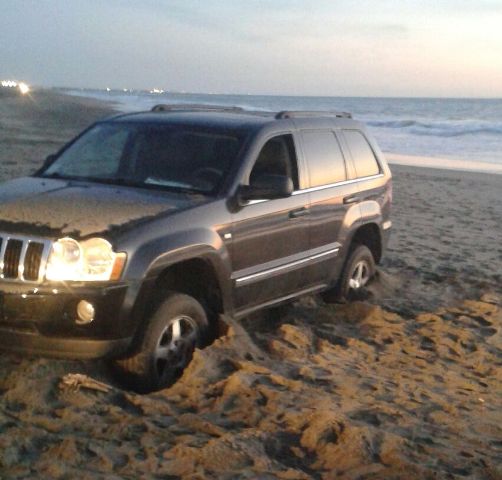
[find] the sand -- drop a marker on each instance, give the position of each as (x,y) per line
(405,384)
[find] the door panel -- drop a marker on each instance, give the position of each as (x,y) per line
(269,248)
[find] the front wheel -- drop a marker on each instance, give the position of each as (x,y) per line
(358,271)
(175,329)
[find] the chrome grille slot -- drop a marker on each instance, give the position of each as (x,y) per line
(32,261)
(11,258)
(23,259)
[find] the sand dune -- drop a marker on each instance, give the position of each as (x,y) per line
(405,384)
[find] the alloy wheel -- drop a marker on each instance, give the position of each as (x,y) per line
(175,347)
(360,275)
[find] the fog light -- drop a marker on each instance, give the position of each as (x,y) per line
(85,312)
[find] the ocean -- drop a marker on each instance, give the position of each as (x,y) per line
(458,129)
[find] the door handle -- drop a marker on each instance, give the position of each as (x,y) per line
(350,199)
(301,212)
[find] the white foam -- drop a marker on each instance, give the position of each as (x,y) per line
(453,128)
(444,163)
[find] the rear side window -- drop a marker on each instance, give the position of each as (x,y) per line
(324,157)
(362,154)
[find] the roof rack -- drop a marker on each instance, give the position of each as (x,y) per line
(163,107)
(311,113)
(194,107)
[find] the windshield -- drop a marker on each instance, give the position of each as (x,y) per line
(164,156)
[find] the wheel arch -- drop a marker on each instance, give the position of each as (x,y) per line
(198,272)
(195,276)
(369,235)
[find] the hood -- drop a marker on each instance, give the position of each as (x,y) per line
(57,208)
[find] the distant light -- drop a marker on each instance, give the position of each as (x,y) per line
(23,88)
(108,89)
(9,83)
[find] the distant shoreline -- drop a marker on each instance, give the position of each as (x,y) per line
(443,164)
(241,94)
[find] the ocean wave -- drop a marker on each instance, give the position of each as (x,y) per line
(440,129)
(392,123)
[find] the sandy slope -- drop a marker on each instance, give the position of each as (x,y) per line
(353,391)
(408,389)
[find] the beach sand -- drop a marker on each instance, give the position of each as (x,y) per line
(405,384)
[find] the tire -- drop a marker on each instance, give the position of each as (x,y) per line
(173,331)
(358,271)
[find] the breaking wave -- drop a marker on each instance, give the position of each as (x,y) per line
(441,129)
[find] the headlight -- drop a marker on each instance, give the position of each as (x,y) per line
(92,260)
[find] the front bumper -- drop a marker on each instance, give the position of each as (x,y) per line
(42,320)
(13,340)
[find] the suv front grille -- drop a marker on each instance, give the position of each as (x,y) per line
(23,259)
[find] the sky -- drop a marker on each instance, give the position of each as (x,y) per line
(444,48)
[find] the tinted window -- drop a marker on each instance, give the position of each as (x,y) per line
(277,157)
(364,158)
(324,157)
(169,157)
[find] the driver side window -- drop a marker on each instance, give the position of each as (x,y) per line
(277,157)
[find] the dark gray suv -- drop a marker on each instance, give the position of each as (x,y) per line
(134,237)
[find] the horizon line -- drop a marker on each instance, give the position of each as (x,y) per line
(180,92)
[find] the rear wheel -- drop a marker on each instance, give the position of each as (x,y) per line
(357,273)
(175,329)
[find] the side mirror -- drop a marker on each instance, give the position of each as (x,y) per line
(267,187)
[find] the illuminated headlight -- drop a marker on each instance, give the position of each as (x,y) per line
(92,260)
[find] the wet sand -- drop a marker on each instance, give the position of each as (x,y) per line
(405,384)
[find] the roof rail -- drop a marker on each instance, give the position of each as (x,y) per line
(311,113)
(194,107)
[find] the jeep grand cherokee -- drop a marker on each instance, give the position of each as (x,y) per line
(134,237)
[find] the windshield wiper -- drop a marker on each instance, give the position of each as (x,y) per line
(187,190)
(114,181)
(120,181)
